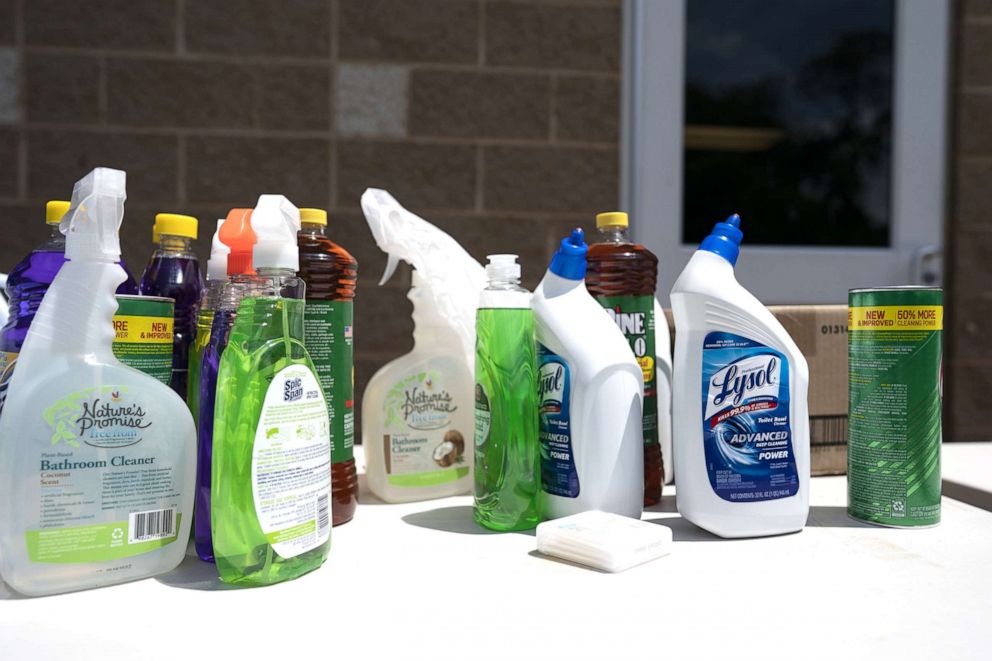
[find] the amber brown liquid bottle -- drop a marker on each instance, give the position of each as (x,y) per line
(331,275)
(622,276)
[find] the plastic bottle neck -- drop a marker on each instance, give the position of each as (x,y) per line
(429,328)
(614,234)
(55,241)
(504,284)
(175,246)
(284,281)
(314,229)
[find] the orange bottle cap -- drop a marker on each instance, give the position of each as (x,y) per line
(236,234)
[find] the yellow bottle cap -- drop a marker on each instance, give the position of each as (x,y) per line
(175,224)
(54,210)
(313,216)
(611,219)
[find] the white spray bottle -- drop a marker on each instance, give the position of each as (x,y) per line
(96,458)
(742,427)
(417,410)
(590,394)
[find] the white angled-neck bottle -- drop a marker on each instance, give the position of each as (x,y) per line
(741,425)
(96,459)
(590,396)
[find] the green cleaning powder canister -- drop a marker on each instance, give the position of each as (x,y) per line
(893,450)
(143,340)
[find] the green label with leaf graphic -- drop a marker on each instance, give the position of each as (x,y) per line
(330,343)
(635,317)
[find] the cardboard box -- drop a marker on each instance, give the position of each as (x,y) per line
(820,331)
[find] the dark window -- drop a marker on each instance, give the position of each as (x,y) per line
(788,112)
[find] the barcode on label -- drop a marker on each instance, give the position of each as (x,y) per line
(154,524)
(828,430)
(322,515)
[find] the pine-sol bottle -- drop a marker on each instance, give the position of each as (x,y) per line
(622,276)
(331,275)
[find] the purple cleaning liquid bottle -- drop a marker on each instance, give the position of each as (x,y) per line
(27,284)
(236,233)
(174,271)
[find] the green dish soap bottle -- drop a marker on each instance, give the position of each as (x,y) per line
(507,452)
(271,478)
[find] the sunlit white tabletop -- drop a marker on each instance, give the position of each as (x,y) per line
(423,581)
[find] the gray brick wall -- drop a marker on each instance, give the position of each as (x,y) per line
(968,357)
(497,120)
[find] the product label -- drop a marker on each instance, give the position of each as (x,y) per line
(420,445)
(329,341)
(558,474)
(291,464)
(7,360)
(747,434)
(635,317)
(145,343)
(483,415)
(894,358)
(96,461)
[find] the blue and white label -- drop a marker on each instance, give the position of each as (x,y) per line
(558,475)
(747,436)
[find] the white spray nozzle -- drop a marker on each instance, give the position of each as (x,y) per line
(217,262)
(502,267)
(276,222)
(93,221)
(452,276)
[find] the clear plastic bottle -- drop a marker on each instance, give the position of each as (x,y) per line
(27,284)
(331,275)
(507,452)
(417,413)
(174,272)
(81,429)
(271,482)
(622,276)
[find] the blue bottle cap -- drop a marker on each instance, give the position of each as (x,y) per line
(569,261)
(725,239)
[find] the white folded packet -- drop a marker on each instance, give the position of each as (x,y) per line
(605,541)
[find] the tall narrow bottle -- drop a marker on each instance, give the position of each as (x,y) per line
(216,278)
(96,458)
(507,452)
(622,276)
(174,271)
(331,275)
(235,234)
(271,482)
(27,284)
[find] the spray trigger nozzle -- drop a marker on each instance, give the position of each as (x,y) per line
(391,263)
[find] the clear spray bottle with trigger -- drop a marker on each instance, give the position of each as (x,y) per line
(417,409)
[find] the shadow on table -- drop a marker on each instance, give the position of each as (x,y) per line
(682,530)
(194,574)
(666,505)
(456,519)
(821,516)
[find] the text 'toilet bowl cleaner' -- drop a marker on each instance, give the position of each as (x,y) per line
(96,458)
(590,395)
(741,425)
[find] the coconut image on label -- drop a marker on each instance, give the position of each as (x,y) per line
(451,450)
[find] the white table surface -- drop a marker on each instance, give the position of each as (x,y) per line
(967,464)
(423,581)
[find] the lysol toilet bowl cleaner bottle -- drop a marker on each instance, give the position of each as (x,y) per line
(331,274)
(417,421)
(741,426)
(238,238)
(271,482)
(96,458)
(590,393)
(174,272)
(622,276)
(507,452)
(216,278)
(27,284)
